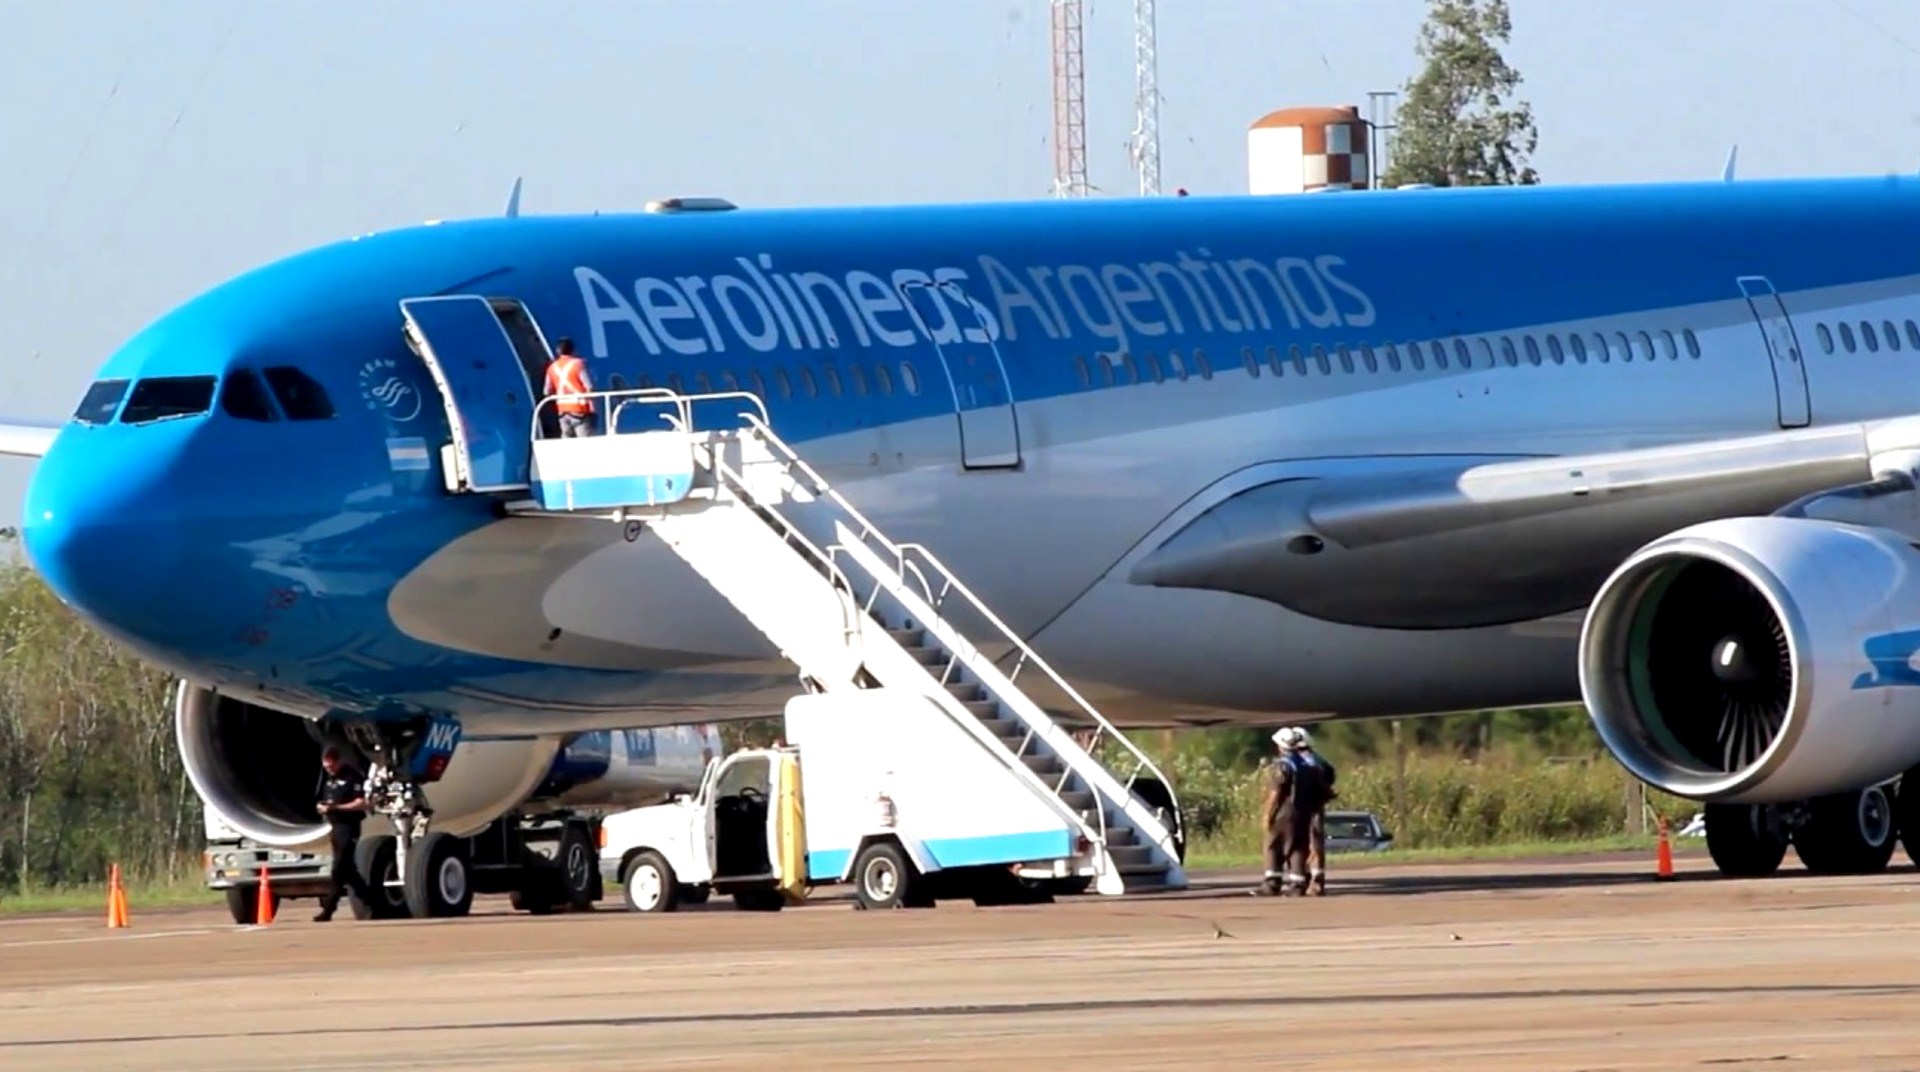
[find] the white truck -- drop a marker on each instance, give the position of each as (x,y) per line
(881,790)
(541,851)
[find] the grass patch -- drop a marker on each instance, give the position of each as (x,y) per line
(1213,858)
(89,898)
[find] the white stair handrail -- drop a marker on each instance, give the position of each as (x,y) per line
(871,533)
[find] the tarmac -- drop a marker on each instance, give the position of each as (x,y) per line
(1531,966)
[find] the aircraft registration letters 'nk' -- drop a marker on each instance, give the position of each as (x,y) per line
(1219,459)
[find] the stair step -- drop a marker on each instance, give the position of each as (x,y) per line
(987,711)
(1118,836)
(1043,764)
(1125,856)
(907,638)
(1150,868)
(964,690)
(1079,800)
(928,656)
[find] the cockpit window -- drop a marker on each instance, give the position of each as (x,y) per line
(245,398)
(160,397)
(301,396)
(100,402)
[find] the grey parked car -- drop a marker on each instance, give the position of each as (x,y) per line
(1356,831)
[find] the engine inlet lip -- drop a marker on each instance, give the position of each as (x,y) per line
(1606,686)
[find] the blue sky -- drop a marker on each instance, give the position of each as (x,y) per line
(154,149)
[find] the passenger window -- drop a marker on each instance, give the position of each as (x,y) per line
(1393,358)
(1533,350)
(1846,338)
(1868,336)
(757,384)
(884,383)
(1646,346)
(1826,338)
(161,397)
(242,396)
(1913,335)
(1276,363)
(1486,351)
(1367,359)
(858,378)
(1508,353)
(1461,354)
(909,378)
(97,406)
(618,382)
(301,396)
(1133,370)
(1080,367)
(1417,356)
(1107,378)
(702,384)
(1153,367)
(783,383)
(1178,366)
(1579,348)
(1891,334)
(1623,346)
(1439,354)
(1346,357)
(1556,351)
(1200,362)
(831,377)
(1298,358)
(728,381)
(1600,353)
(645,382)
(1692,341)
(1251,362)
(807,385)
(1667,347)
(1320,360)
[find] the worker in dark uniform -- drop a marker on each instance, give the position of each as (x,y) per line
(343,801)
(1296,809)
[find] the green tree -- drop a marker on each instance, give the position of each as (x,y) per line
(1458,124)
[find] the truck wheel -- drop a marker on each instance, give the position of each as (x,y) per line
(577,863)
(884,878)
(377,859)
(243,904)
(649,884)
(439,877)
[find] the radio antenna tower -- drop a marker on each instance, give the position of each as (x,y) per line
(1069,100)
(1145,144)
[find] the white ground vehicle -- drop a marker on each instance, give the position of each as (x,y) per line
(879,788)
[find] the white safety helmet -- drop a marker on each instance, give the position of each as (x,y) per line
(1292,738)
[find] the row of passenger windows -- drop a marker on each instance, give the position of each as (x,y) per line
(246,395)
(1597,347)
(856,379)
(1887,335)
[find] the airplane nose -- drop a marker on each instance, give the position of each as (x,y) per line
(100,530)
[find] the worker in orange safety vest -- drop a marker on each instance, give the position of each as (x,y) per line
(568,385)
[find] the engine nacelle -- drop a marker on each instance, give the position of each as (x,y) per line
(260,768)
(1759,659)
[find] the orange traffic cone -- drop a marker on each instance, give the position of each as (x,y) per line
(263,905)
(1665,862)
(116,900)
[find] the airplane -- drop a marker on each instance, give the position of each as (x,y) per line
(1225,460)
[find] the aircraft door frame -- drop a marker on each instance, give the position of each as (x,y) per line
(984,410)
(484,386)
(1783,350)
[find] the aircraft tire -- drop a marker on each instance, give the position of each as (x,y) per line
(1849,833)
(439,877)
(1744,841)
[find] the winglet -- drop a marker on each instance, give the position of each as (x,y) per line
(1733,155)
(513,201)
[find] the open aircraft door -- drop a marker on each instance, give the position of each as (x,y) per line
(485,384)
(963,338)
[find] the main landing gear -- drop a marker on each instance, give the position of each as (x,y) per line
(1843,834)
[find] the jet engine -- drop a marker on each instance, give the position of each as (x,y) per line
(260,769)
(1759,659)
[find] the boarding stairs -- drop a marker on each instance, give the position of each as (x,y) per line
(852,609)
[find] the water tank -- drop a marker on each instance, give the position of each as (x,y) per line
(1306,150)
